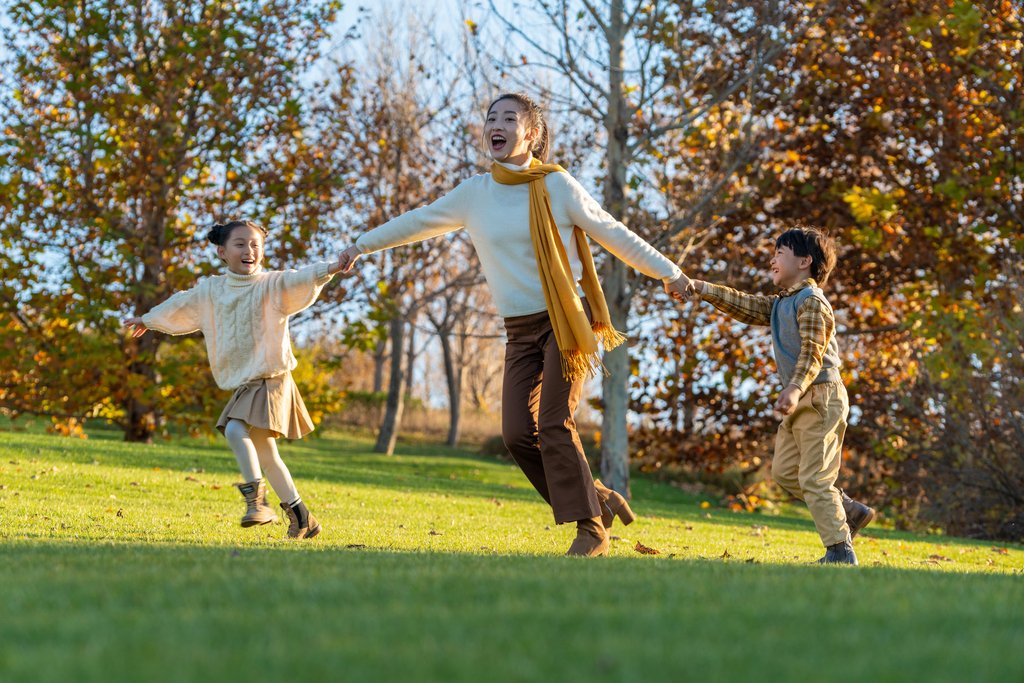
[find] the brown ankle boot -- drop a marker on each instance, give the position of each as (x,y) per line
(591,539)
(302,523)
(612,505)
(256,509)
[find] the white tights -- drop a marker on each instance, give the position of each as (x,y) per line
(253,447)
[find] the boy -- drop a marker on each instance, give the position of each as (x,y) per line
(814,403)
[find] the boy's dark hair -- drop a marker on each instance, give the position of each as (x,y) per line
(534,119)
(220,233)
(814,243)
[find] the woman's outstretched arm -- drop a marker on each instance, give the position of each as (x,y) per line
(445,215)
(611,234)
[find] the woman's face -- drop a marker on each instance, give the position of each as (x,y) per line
(507,132)
(243,252)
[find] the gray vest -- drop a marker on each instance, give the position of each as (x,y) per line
(786,339)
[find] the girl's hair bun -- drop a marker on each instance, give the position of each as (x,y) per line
(216,234)
(220,232)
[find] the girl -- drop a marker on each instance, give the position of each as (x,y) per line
(244,317)
(528,222)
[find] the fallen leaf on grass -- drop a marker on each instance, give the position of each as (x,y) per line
(644,550)
(190,478)
(885,553)
(939,557)
(725,555)
(355,546)
(120,512)
(989,562)
(616,538)
(436,533)
(751,560)
(964,551)
(1001,551)
(756,532)
(689,528)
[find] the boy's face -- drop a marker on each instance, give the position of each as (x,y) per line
(788,269)
(243,252)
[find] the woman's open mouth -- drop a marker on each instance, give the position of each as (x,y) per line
(497,141)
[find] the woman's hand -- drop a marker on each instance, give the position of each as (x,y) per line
(137,327)
(682,288)
(346,260)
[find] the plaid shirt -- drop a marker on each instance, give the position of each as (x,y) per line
(815,321)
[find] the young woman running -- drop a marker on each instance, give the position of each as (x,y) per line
(244,317)
(528,222)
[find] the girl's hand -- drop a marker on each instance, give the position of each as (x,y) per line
(346,260)
(137,327)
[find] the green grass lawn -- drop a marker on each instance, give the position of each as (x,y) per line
(117,562)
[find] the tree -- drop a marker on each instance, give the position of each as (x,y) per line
(128,125)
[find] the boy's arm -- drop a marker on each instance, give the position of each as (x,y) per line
(816,324)
(294,290)
(746,308)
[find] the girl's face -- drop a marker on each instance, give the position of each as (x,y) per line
(788,269)
(507,132)
(243,252)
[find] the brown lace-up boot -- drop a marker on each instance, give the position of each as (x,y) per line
(302,523)
(612,505)
(256,509)
(591,539)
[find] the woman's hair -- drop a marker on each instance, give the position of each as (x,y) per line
(534,119)
(220,233)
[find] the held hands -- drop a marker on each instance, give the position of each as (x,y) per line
(788,399)
(346,260)
(683,288)
(135,326)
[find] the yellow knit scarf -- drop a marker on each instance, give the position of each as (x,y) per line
(577,339)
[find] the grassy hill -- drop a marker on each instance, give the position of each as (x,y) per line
(122,562)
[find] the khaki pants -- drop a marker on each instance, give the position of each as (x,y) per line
(808,452)
(537,407)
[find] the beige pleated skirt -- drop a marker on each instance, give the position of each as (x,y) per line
(272,403)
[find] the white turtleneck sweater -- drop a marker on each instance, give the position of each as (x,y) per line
(244,319)
(497,218)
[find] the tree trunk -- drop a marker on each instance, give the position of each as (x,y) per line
(396,391)
(615,386)
(454,378)
(140,413)
(410,361)
(140,416)
(614,435)
(379,358)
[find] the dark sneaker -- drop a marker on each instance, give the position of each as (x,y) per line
(840,553)
(858,515)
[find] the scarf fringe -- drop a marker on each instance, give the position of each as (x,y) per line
(579,365)
(608,335)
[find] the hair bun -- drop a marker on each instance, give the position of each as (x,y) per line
(216,234)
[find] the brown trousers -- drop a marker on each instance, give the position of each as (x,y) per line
(537,407)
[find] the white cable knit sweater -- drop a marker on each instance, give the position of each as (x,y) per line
(497,218)
(244,319)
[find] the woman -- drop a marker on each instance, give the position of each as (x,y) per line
(527,221)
